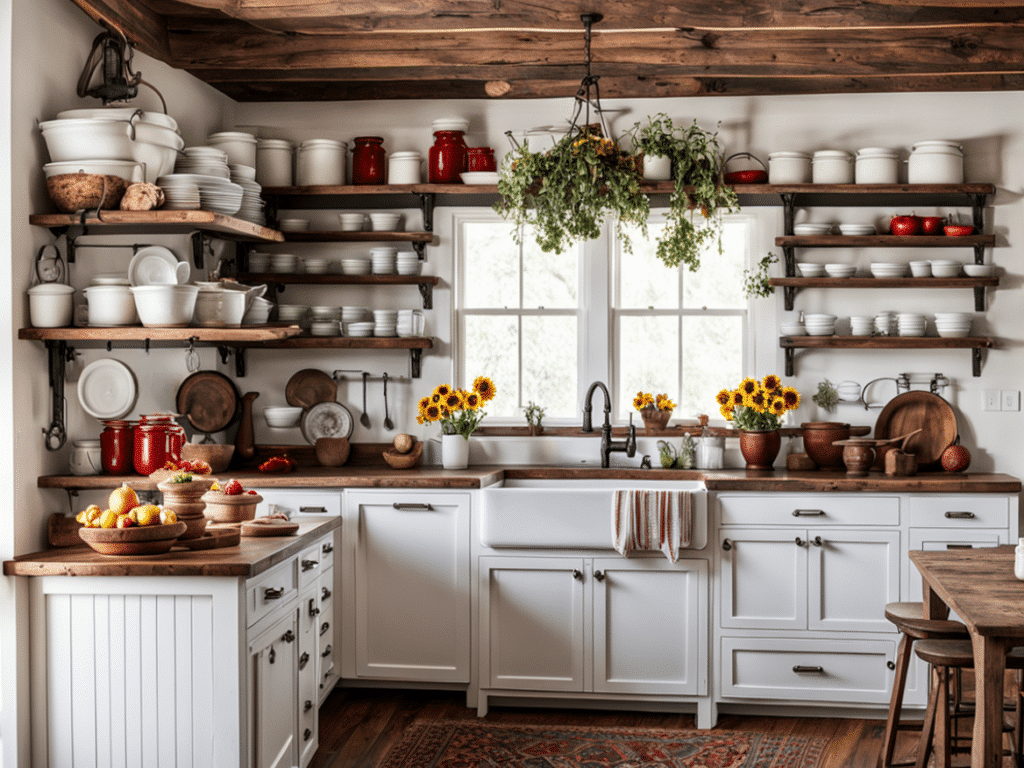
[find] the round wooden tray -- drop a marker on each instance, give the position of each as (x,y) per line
(309,387)
(919,410)
(209,400)
(212,538)
(250,528)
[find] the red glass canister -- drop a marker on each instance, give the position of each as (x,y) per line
(368,160)
(447,157)
(481,159)
(151,443)
(116,446)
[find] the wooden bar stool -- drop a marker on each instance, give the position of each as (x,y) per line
(909,620)
(945,655)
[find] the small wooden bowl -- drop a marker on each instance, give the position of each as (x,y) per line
(217,455)
(332,451)
(408,460)
(222,508)
(137,540)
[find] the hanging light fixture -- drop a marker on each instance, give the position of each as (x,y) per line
(589,84)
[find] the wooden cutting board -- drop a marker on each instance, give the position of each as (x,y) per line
(309,387)
(284,528)
(919,410)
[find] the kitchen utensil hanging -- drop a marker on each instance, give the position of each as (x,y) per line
(388,423)
(365,418)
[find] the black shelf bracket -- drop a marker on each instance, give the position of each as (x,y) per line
(978,212)
(790,361)
(427,292)
(239,353)
(789,297)
(427,206)
(979,298)
(788,212)
(789,260)
(200,242)
(976,362)
(415,356)
(420,248)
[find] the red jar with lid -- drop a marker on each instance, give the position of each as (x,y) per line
(116,447)
(156,440)
(368,160)
(447,157)
(480,159)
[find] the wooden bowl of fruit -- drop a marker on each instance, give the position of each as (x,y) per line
(152,539)
(230,504)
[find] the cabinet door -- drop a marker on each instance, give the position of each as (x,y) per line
(650,626)
(852,575)
(309,654)
(532,623)
(327,670)
(273,658)
(411,591)
(764,578)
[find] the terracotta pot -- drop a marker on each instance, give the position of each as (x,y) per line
(858,458)
(818,438)
(760,449)
(654,419)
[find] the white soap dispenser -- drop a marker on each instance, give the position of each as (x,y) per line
(1018,560)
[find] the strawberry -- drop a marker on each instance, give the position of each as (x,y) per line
(252,493)
(232,487)
(185,465)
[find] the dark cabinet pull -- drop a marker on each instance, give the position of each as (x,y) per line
(307,706)
(413,507)
(324,627)
(326,652)
(313,610)
(272,655)
(313,510)
(808,513)
(800,542)
(324,593)
(959,546)
(726,545)
(576,574)
(599,575)
(890,664)
(327,548)
(273,594)
(818,542)
(288,637)
(959,515)
(306,734)
(803,668)
(303,660)
(309,565)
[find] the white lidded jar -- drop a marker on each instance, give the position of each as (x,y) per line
(274,159)
(240,147)
(876,165)
(936,162)
(404,167)
(85,457)
(789,168)
(832,166)
(51,305)
(320,162)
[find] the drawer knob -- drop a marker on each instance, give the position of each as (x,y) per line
(959,515)
(309,565)
(726,545)
(818,542)
(890,664)
(324,593)
(288,637)
(273,594)
(798,668)
(599,575)
(324,627)
(576,574)
(307,706)
(800,542)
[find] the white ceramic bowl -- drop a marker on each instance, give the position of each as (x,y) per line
(955,317)
(351,222)
(51,305)
(111,305)
(325,328)
(294,225)
(355,266)
(811,229)
(840,270)
(220,309)
(979,270)
(812,317)
(384,221)
(945,270)
(258,312)
(888,269)
(282,417)
(322,313)
(808,269)
(921,268)
(316,266)
(823,331)
(168,306)
(856,230)
(291,313)
(793,329)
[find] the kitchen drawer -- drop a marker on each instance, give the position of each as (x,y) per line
(269,590)
(299,503)
(959,511)
(327,547)
(848,671)
(309,565)
(804,510)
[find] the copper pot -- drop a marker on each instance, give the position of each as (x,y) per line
(819,437)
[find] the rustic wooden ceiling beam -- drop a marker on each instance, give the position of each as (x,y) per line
(145,29)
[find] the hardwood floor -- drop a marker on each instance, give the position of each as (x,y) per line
(359,726)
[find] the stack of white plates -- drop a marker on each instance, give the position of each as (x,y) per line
(811,229)
(354,314)
(283,262)
(351,222)
(807,269)
(885,323)
(888,269)
(359,330)
(325,328)
(840,270)
(910,324)
(384,260)
(324,314)
(819,324)
(857,230)
(317,266)
(953,324)
(408,263)
(945,268)
(385,322)
(179,194)
(251,208)
(207,161)
(860,325)
(292,313)
(215,193)
(355,266)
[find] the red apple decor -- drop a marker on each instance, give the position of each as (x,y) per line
(932,225)
(956,458)
(905,225)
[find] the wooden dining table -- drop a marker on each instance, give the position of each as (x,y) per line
(980,586)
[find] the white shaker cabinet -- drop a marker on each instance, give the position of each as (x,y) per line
(273,661)
(406,586)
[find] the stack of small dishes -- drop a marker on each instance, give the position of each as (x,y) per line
(408,263)
(316,266)
(294,225)
(351,222)
(384,260)
(479,177)
(383,221)
(251,208)
(259,261)
(351,315)
(811,229)
(807,269)
(385,322)
(888,269)
(208,161)
(818,324)
(856,230)
(359,330)
(792,329)
(325,328)
(921,268)
(910,324)
(179,194)
(216,194)
(953,324)
(294,314)
(945,268)
(355,266)
(283,262)
(860,325)
(885,324)
(258,312)
(323,314)
(979,270)
(840,270)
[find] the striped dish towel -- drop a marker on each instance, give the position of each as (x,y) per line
(651,521)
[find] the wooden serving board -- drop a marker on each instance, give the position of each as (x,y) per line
(250,528)
(919,410)
(212,538)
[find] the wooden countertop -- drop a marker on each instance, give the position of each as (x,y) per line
(251,557)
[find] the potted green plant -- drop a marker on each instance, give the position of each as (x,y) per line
(534,416)
(698,189)
(564,194)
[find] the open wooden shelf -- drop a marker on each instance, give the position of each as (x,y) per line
(341,342)
(338,236)
(250,334)
(160,222)
(885,282)
(884,241)
(974,343)
(290,278)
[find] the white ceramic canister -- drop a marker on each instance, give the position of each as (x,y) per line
(404,167)
(85,458)
(657,168)
(876,165)
(1018,560)
(936,162)
(238,146)
(789,168)
(51,305)
(320,162)
(832,166)
(274,159)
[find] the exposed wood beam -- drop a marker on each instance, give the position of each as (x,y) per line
(145,29)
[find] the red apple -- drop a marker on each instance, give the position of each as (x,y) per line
(931,225)
(956,458)
(904,225)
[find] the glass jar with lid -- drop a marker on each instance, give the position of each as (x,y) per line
(368,160)
(447,157)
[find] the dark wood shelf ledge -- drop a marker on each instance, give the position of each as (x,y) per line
(249,334)
(974,343)
(294,278)
(336,236)
(884,241)
(161,222)
(886,282)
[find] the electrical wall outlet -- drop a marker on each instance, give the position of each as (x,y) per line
(993,400)
(1010,400)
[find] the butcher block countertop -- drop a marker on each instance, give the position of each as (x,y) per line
(250,557)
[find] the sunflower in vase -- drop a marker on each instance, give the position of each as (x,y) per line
(655,410)
(758,406)
(460,411)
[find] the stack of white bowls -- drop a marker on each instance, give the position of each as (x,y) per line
(794,328)
(259,261)
(355,266)
(888,269)
(293,225)
(856,230)
(316,266)
(385,322)
(206,161)
(240,147)
(840,270)
(385,221)
(921,268)
(384,260)
(945,268)
(860,325)
(325,328)
(359,329)
(325,313)
(351,222)
(819,324)
(408,263)
(293,314)
(251,208)
(808,269)
(283,262)
(351,315)
(910,324)
(885,324)
(953,324)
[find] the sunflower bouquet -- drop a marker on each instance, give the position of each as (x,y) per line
(644,400)
(460,411)
(758,405)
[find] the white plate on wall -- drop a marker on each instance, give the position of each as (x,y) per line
(329,419)
(154,265)
(107,389)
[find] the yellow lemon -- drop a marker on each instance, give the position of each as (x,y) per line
(168,516)
(108,519)
(123,499)
(148,514)
(93,515)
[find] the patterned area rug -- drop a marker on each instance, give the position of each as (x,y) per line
(469,744)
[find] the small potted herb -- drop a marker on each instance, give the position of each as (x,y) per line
(534,415)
